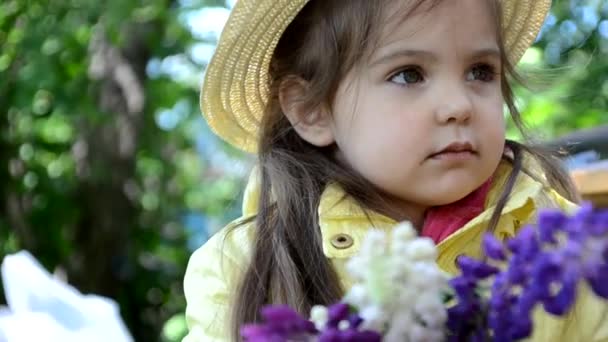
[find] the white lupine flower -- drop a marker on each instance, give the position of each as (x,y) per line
(374,318)
(421,249)
(319,315)
(434,317)
(404,232)
(357,296)
(430,311)
(398,286)
(419,333)
(343,325)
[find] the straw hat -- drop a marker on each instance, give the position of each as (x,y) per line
(235,89)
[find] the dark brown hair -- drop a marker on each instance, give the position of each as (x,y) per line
(324,42)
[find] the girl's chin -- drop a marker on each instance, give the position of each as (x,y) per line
(450,196)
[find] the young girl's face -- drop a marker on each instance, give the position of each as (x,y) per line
(422,119)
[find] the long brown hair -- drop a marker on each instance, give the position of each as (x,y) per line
(324,42)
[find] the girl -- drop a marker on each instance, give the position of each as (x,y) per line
(363,114)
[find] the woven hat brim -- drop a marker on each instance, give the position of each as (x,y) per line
(235,90)
(522,22)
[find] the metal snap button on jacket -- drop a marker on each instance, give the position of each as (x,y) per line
(341,241)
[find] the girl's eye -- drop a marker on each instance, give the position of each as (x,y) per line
(407,76)
(483,73)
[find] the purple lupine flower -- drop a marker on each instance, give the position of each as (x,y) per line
(525,244)
(475,269)
(544,265)
(581,254)
(281,324)
(509,310)
(549,223)
(508,314)
(343,326)
(464,317)
(537,265)
(556,269)
(355,320)
(493,248)
(349,335)
(337,313)
(594,263)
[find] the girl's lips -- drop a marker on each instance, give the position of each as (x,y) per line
(457,151)
(454,156)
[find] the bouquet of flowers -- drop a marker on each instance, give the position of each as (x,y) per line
(400,294)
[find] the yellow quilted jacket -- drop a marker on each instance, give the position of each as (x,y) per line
(214,268)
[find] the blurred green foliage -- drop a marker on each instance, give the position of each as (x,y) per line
(566,72)
(92,183)
(117,192)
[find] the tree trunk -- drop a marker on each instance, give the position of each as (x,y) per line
(104,261)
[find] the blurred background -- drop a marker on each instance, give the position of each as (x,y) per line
(109,173)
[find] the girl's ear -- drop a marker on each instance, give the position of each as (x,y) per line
(314,125)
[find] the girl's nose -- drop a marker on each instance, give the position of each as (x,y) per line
(454,106)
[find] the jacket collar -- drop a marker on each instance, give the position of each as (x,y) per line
(339,215)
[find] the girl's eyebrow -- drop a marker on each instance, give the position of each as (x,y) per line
(492,52)
(395,54)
